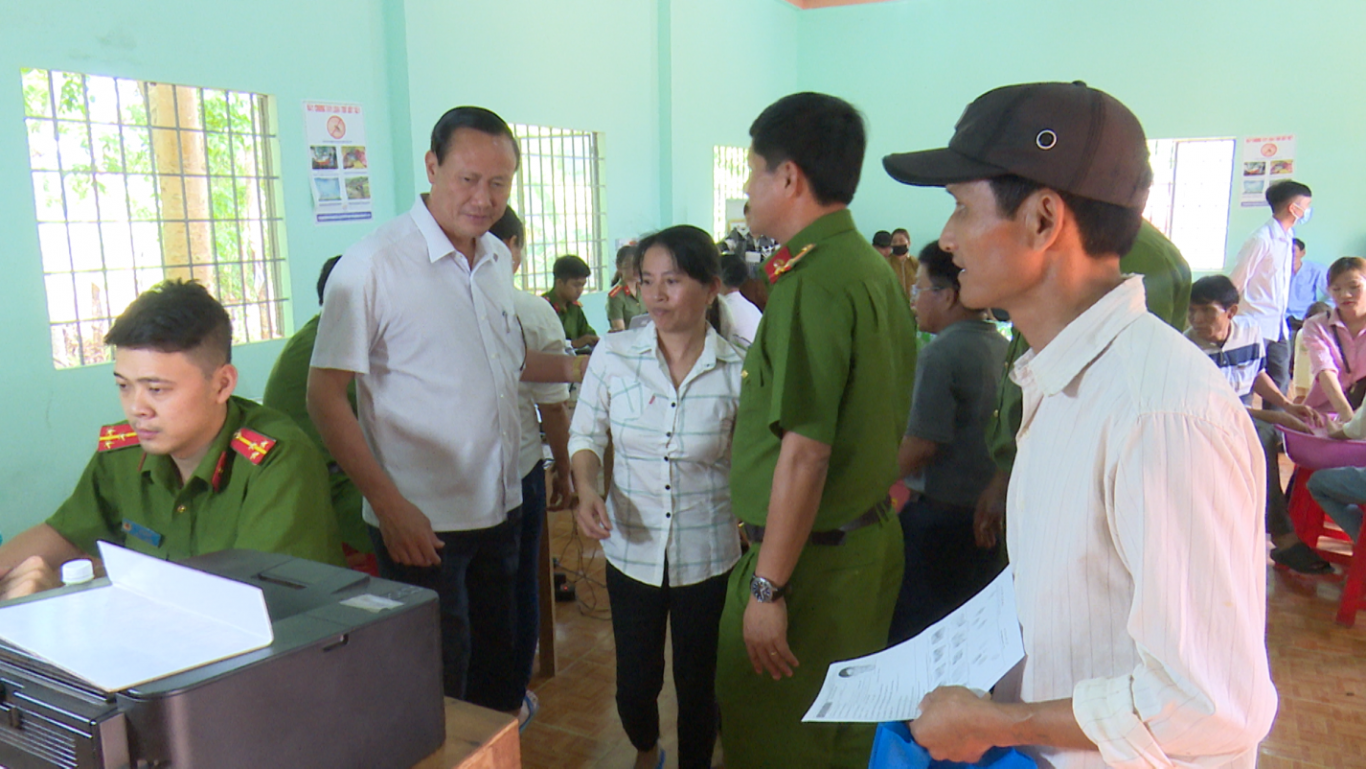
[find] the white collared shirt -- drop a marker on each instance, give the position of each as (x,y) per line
(670,496)
(438,352)
(543,332)
(745,317)
(1240,358)
(1262,276)
(1136,534)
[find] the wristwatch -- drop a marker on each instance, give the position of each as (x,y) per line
(765,591)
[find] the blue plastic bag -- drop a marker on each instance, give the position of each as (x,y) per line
(894,748)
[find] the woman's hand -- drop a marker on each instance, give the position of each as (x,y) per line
(592,515)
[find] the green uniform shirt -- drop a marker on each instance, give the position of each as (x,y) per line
(287,392)
(1167,284)
(571,316)
(833,360)
(281,505)
(622,305)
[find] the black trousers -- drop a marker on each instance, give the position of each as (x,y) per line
(944,565)
(640,613)
(477,587)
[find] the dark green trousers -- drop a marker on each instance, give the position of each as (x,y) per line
(840,607)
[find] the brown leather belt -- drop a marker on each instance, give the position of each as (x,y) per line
(833,537)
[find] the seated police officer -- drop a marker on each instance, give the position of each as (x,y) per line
(194,469)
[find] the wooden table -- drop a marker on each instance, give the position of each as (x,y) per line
(476,738)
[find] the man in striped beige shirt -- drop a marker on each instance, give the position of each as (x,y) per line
(1134,509)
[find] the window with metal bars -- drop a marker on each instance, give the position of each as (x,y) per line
(729,170)
(137,182)
(1189,199)
(559,194)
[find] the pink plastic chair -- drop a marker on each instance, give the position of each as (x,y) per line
(1310,453)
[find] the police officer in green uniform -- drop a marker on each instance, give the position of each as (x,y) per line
(826,390)
(287,392)
(571,275)
(1167,284)
(194,469)
(623,301)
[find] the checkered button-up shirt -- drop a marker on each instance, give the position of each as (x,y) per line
(670,496)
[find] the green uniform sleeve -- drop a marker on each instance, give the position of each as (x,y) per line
(616,308)
(287,507)
(1009,412)
(811,365)
(86,517)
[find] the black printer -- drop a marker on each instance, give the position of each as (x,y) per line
(354,684)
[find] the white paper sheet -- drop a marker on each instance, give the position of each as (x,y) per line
(974,647)
(155,618)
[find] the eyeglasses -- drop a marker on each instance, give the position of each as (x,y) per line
(916,291)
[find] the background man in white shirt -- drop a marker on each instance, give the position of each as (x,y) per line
(744,315)
(420,315)
(1138,487)
(1263,269)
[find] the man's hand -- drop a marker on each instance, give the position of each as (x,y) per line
(408,534)
(954,724)
(587,340)
(1306,415)
(33,575)
(592,515)
(561,490)
(765,631)
(988,521)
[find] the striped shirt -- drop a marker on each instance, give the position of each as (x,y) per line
(1136,536)
(670,496)
(1240,358)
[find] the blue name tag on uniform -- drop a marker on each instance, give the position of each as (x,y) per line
(142,532)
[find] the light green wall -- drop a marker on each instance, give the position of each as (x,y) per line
(1213,68)
(294,51)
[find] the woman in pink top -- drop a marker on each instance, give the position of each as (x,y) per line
(1336,341)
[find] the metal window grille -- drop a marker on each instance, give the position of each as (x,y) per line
(1189,199)
(730,169)
(137,182)
(559,194)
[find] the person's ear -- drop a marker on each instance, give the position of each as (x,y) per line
(1232,310)
(431,162)
(1044,215)
(224,382)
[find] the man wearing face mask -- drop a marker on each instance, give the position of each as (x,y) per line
(903,264)
(1262,273)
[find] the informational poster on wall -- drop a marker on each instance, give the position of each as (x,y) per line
(339,169)
(1266,159)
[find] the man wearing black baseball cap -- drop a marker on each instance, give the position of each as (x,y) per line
(1134,504)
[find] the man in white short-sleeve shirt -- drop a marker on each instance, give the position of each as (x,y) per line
(1134,509)
(420,315)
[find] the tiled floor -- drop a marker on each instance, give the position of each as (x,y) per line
(1319,669)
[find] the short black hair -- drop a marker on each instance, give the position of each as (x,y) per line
(693,251)
(477,118)
(822,134)
(939,266)
(734,270)
(1282,192)
(1105,228)
(176,316)
(1214,289)
(509,226)
(1345,265)
(569,267)
(1299,243)
(324,274)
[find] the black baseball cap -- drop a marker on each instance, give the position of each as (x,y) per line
(1067,136)
(882,238)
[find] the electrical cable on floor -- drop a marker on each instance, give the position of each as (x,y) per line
(587,600)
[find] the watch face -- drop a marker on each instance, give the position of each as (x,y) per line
(761,589)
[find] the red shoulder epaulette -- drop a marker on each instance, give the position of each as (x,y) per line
(783,261)
(617,289)
(252,445)
(117,437)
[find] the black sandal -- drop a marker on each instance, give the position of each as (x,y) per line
(1300,558)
